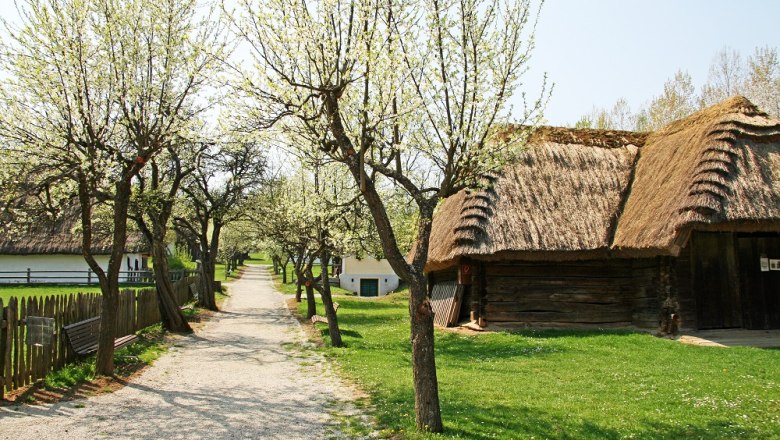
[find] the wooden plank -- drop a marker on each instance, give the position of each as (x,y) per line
(443,300)
(562,270)
(24,368)
(608,316)
(3,346)
(13,329)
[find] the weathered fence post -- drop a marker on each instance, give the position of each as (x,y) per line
(28,275)
(3,346)
(89,277)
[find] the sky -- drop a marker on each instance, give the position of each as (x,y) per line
(597,51)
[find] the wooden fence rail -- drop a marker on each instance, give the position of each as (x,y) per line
(23,360)
(88,277)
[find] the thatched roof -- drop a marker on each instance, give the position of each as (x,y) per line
(60,237)
(717,169)
(562,196)
(579,194)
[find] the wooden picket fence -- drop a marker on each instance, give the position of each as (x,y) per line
(22,364)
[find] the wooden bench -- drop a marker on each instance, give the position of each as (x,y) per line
(323,319)
(83,336)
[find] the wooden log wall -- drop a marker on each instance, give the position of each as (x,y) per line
(599,293)
(22,364)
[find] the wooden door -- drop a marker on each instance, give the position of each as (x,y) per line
(369,287)
(760,290)
(715,280)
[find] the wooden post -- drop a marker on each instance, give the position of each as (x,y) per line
(28,275)
(3,346)
(89,277)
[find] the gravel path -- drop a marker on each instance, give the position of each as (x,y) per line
(238,377)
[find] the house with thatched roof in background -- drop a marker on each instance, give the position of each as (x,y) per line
(50,252)
(603,228)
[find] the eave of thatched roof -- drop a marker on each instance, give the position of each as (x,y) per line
(65,243)
(59,235)
(560,199)
(718,169)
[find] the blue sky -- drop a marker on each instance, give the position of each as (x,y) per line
(597,51)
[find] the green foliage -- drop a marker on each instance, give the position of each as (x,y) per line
(181,259)
(71,375)
(560,384)
(148,349)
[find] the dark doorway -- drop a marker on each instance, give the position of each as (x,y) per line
(369,287)
(760,289)
(715,280)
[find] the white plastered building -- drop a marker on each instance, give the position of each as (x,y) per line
(367,276)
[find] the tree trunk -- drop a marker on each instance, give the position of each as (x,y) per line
(327,301)
(275,261)
(284,277)
(104,360)
(208,257)
(172,318)
(206,298)
(109,284)
(298,289)
(426,385)
(311,306)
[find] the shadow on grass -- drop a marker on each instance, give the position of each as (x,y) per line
(483,420)
(524,422)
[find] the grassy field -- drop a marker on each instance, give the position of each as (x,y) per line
(560,384)
(7,291)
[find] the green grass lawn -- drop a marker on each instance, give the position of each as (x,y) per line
(560,384)
(21,291)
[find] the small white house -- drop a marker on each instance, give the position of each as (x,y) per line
(367,276)
(57,258)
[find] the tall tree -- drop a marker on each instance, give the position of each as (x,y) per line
(763,80)
(726,77)
(94,90)
(399,94)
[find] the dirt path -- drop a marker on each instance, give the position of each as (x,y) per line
(239,377)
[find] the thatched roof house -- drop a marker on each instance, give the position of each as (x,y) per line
(61,236)
(50,251)
(606,227)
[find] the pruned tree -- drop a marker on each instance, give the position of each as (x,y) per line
(93,91)
(224,176)
(403,94)
(152,209)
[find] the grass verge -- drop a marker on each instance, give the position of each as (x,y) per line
(559,384)
(19,291)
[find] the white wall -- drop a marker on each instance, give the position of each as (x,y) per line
(366,265)
(59,267)
(353,270)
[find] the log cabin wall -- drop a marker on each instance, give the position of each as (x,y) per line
(720,283)
(685,293)
(598,293)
